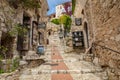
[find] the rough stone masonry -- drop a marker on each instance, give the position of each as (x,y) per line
(104,26)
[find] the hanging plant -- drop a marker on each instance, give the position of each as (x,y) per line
(17,29)
(24,3)
(30,3)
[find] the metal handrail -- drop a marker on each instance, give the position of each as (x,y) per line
(107,48)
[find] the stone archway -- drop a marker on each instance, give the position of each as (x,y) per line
(86,34)
(41,37)
(49,32)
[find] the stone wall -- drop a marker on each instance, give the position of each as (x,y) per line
(43,11)
(43,18)
(79,13)
(8,18)
(103,18)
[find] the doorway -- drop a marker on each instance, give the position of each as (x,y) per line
(41,39)
(7,43)
(86,33)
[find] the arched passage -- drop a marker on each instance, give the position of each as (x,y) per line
(41,37)
(86,33)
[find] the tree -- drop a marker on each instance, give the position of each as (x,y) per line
(66,21)
(55,21)
(73,5)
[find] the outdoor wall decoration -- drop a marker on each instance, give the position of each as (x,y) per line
(78,21)
(42,25)
(78,39)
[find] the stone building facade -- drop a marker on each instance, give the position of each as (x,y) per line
(103,23)
(100,25)
(28,19)
(35,20)
(79,15)
(59,10)
(43,23)
(9,17)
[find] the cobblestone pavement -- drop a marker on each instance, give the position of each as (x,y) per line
(63,66)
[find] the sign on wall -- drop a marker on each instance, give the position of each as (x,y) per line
(78,21)
(42,25)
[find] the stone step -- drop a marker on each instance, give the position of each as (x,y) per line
(31,57)
(65,60)
(62,60)
(85,71)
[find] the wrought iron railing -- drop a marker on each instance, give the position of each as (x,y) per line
(104,47)
(93,45)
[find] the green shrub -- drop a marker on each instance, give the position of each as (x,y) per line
(66,21)
(17,29)
(55,21)
(24,3)
(73,5)
(30,3)
(1,71)
(15,64)
(1,57)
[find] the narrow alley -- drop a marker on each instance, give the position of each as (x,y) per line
(59,39)
(63,66)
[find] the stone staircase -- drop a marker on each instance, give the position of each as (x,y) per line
(31,60)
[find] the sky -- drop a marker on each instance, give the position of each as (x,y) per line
(52,4)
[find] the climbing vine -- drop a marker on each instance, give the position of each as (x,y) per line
(24,3)
(17,30)
(73,5)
